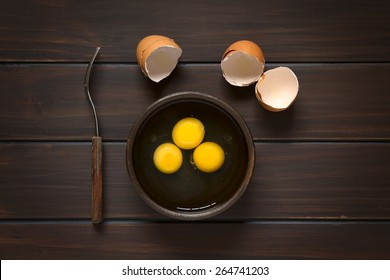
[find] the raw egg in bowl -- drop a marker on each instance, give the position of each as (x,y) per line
(210,173)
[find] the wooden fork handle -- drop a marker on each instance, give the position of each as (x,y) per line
(97,180)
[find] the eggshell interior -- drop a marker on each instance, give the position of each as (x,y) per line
(145,43)
(161,62)
(277,89)
(240,69)
(242,63)
(157,56)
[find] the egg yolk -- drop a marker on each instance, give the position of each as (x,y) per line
(209,157)
(167,158)
(188,133)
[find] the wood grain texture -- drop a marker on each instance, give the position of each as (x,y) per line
(195,241)
(306,31)
(291,181)
(321,183)
(335,101)
(97,180)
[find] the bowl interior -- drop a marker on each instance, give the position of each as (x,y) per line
(189,191)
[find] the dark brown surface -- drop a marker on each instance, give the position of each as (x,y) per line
(321,182)
(291,181)
(288,31)
(335,101)
(122,240)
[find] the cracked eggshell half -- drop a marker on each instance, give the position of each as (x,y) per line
(157,56)
(242,63)
(277,89)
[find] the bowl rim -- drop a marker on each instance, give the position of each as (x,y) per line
(178,96)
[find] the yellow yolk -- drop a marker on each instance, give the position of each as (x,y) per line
(209,157)
(167,158)
(188,133)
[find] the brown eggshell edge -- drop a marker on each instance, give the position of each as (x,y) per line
(148,45)
(145,43)
(247,47)
(265,105)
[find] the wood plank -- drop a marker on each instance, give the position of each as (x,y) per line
(325,30)
(291,181)
(335,102)
(195,241)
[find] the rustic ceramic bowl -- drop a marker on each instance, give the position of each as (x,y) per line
(190,194)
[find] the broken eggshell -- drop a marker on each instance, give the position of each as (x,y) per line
(157,56)
(277,89)
(242,63)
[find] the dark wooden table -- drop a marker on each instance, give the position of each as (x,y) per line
(321,187)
